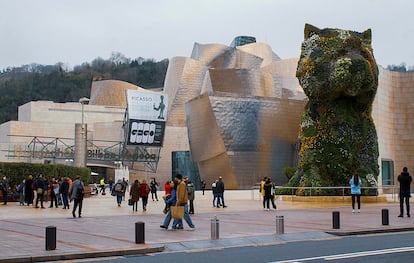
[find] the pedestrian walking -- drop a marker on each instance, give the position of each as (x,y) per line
(125,184)
(118,191)
(405,192)
(167,193)
(4,186)
(21,190)
(145,189)
(64,192)
(267,187)
(182,200)
(170,200)
(54,192)
(154,186)
(262,191)
(134,193)
(355,184)
(203,186)
(102,186)
(220,191)
(216,199)
(191,194)
(77,192)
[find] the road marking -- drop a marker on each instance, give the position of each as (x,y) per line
(351,255)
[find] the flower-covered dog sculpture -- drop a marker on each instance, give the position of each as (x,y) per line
(338,73)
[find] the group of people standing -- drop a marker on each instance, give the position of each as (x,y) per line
(217,188)
(267,190)
(35,191)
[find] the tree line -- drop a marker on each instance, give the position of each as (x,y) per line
(33,82)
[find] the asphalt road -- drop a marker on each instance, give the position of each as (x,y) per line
(378,248)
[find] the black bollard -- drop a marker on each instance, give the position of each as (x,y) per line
(50,238)
(139,233)
(335,220)
(385,217)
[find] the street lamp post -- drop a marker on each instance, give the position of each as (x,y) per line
(80,138)
(83,101)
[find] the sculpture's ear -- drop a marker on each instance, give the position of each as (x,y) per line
(311,30)
(367,36)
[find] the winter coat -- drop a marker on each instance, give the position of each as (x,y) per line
(77,191)
(405,180)
(135,191)
(145,189)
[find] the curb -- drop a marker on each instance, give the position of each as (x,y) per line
(83,255)
(369,231)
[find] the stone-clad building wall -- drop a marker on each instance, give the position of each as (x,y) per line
(393,112)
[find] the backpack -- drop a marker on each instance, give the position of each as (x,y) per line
(118,187)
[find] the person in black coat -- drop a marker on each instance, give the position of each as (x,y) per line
(28,190)
(39,184)
(405,193)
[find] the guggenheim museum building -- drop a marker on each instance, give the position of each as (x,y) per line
(230,110)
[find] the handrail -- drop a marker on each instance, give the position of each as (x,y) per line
(378,189)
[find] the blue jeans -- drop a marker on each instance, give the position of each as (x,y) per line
(187,219)
(167,219)
(119,199)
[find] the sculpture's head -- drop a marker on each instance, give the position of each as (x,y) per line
(335,63)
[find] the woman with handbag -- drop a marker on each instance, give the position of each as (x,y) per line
(134,193)
(182,200)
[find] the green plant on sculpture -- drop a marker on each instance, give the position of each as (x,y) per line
(338,73)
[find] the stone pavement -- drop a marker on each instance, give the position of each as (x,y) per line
(108,230)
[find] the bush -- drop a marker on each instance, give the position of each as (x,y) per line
(16,172)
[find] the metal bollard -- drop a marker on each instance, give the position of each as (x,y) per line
(215,227)
(139,233)
(280,225)
(50,238)
(335,220)
(385,217)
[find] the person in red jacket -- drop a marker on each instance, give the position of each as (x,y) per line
(144,191)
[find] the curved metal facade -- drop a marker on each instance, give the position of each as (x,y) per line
(242,119)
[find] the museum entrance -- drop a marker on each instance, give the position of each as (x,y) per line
(183,164)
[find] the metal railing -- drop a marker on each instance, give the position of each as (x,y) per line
(339,190)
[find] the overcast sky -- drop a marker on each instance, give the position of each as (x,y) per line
(77,31)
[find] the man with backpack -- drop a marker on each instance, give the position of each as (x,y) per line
(118,191)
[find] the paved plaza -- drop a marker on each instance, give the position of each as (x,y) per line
(108,230)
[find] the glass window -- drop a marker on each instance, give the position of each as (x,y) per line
(183,164)
(387,172)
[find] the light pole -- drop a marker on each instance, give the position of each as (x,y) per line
(80,138)
(83,101)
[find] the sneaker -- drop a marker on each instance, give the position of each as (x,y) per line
(162,226)
(224,206)
(191,228)
(359,211)
(400,216)
(353,211)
